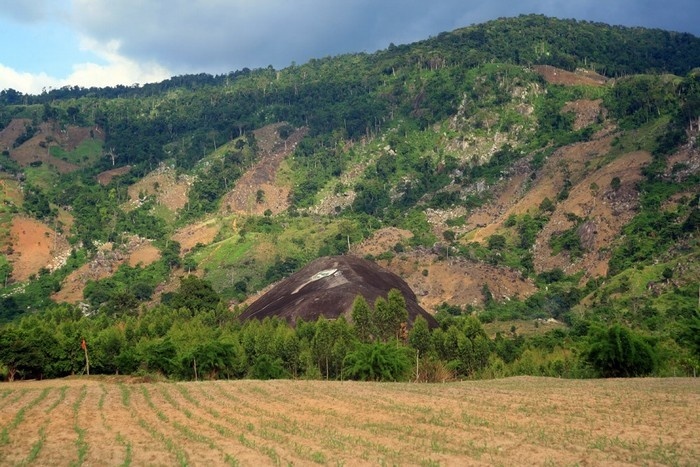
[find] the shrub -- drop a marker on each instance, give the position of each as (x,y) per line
(266,367)
(619,352)
(377,362)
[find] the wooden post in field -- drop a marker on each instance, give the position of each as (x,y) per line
(417,353)
(83,345)
(194,364)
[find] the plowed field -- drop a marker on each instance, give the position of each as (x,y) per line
(516,421)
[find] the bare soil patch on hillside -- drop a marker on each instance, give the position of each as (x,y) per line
(12,131)
(513,421)
(523,194)
(74,135)
(587,112)
(33,246)
(164,184)
(106,261)
(144,255)
(434,281)
(244,198)
(202,232)
(36,149)
(567,78)
(381,241)
(106,177)
(606,211)
(456,281)
(590,197)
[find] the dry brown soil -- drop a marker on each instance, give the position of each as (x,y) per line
(567,78)
(514,421)
(586,112)
(106,177)
(105,262)
(11,132)
(34,246)
(49,134)
(455,280)
(607,210)
(590,197)
(163,183)
(381,241)
(264,175)
(202,232)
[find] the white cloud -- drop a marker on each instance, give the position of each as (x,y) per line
(26,83)
(116,69)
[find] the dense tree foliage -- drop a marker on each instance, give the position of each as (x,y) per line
(410,120)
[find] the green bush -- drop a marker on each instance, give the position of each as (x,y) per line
(377,362)
(267,367)
(618,352)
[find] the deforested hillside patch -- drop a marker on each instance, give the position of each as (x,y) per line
(168,189)
(259,190)
(32,247)
(587,111)
(106,177)
(457,281)
(381,241)
(61,148)
(195,234)
(136,252)
(13,131)
(565,168)
(592,216)
(580,77)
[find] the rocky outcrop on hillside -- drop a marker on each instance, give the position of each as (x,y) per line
(328,287)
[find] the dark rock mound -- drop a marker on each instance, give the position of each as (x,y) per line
(327,287)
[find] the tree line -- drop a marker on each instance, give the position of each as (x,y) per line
(194,336)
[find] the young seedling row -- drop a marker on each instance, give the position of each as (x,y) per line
(518,420)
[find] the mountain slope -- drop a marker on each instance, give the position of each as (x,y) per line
(523,162)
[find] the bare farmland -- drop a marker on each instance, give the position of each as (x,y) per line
(523,421)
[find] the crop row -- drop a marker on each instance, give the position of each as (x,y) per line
(304,422)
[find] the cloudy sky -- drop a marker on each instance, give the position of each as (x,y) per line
(53,43)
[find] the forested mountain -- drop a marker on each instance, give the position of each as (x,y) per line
(534,180)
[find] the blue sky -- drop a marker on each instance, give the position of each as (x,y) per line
(53,43)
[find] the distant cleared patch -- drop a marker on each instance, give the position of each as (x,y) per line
(86,153)
(606,209)
(580,77)
(33,246)
(169,189)
(144,255)
(457,281)
(63,149)
(201,233)
(107,260)
(106,177)
(381,241)
(258,190)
